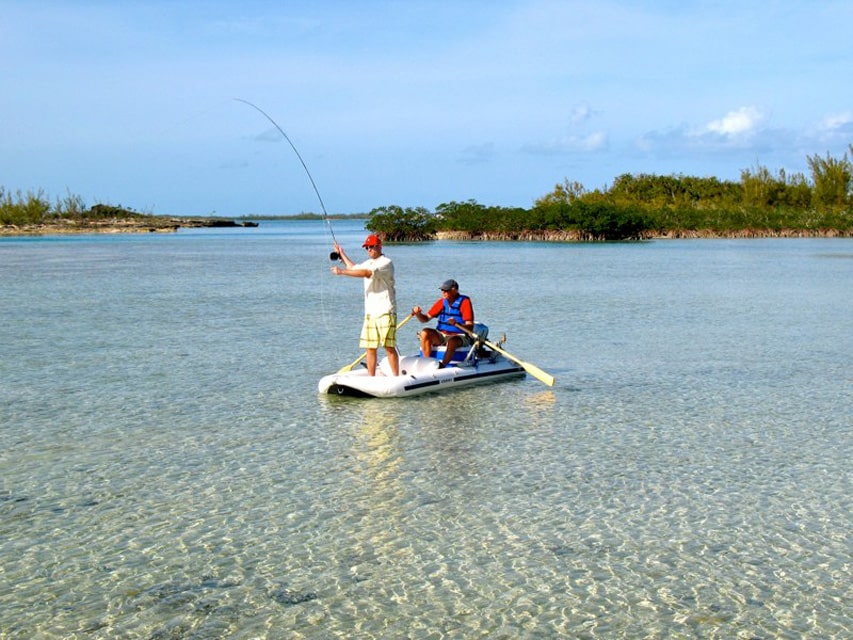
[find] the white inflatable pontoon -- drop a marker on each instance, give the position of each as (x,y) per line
(475,364)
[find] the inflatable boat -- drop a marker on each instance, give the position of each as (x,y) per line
(478,363)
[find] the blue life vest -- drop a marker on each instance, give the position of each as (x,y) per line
(451,311)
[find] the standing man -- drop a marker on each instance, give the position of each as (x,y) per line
(451,309)
(380,302)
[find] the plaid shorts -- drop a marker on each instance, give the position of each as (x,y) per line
(379,332)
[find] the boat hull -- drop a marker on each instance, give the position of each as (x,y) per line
(418,375)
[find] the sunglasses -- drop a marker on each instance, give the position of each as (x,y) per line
(372,246)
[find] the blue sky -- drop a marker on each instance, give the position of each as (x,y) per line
(410,103)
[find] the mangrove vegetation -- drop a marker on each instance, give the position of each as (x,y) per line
(641,206)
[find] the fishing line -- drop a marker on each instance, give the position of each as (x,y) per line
(334,255)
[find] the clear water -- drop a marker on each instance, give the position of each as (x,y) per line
(169,471)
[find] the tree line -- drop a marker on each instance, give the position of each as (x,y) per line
(643,205)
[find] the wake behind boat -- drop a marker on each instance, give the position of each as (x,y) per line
(481,363)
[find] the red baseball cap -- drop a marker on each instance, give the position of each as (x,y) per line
(372,241)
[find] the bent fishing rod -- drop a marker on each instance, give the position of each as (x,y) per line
(334,254)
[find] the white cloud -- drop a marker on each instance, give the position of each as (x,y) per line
(575,141)
(478,153)
(741,128)
(581,112)
(738,131)
(592,142)
(742,122)
(833,133)
(836,121)
(595,141)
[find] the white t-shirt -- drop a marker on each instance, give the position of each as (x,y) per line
(380,295)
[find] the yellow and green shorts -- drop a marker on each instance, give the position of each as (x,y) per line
(379,331)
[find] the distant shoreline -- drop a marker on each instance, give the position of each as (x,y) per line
(679,234)
(152,224)
(147,224)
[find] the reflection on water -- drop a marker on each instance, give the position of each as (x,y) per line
(170,472)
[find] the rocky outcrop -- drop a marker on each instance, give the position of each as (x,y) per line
(140,224)
(212,222)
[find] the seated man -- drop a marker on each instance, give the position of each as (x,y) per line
(451,309)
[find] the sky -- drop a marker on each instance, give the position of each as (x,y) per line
(411,103)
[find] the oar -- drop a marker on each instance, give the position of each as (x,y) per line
(532,369)
(350,366)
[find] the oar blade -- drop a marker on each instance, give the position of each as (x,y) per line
(537,373)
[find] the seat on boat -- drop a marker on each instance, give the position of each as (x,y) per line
(462,354)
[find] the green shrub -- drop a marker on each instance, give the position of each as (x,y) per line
(23,210)
(601,221)
(396,224)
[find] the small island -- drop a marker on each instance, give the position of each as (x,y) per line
(32,215)
(643,207)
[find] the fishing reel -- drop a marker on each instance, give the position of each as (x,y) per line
(334,256)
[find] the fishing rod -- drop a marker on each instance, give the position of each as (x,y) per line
(334,255)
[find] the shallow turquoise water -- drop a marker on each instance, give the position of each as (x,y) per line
(168,470)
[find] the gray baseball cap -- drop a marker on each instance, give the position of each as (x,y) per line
(447,285)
